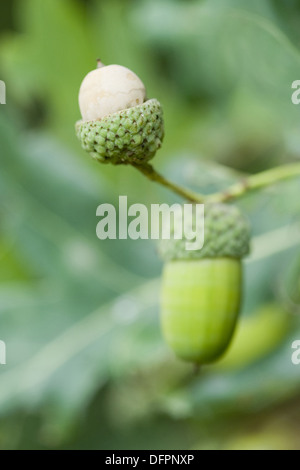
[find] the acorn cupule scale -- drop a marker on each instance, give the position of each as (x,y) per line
(132,135)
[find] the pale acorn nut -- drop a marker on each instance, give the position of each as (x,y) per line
(118,126)
(109,89)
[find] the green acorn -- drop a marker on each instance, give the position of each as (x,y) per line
(119,125)
(201,289)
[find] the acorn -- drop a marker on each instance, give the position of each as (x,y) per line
(266,328)
(202,289)
(119,124)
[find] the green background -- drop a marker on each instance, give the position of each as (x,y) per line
(87,367)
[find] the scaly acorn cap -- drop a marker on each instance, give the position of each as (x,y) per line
(226,234)
(129,136)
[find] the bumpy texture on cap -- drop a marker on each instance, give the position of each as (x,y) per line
(129,136)
(226,234)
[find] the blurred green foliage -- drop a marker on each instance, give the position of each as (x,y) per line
(87,367)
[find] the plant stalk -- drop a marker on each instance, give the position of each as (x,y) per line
(250,183)
(153,175)
(253,182)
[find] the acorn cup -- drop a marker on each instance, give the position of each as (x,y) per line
(202,289)
(119,125)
